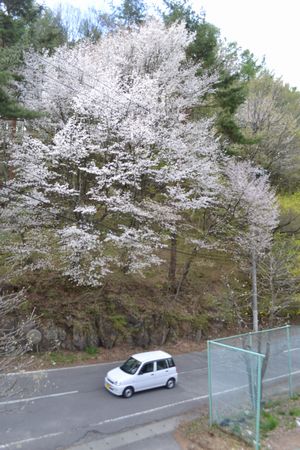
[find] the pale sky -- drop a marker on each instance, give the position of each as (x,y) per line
(269,28)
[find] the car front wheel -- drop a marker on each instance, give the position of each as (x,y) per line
(170,383)
(128,392)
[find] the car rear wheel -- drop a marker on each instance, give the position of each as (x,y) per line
(128,392)
(170,383)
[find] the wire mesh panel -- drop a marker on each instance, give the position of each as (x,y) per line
(235,387)
(275,345)
(276,369)
(295,357)
(246,369)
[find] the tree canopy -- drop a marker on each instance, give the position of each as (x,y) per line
(23,24)
(150,136)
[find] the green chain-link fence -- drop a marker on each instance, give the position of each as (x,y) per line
(243,370)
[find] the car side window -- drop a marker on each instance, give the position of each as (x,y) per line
(148,367)
(171,362)
(161,364)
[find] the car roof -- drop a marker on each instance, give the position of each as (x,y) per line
(151,356)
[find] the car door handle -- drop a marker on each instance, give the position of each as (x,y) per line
(152,374)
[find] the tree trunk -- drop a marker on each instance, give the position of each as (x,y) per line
(254,291)
(173,262)
(272,292)
(185,271)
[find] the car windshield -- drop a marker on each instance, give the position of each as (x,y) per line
(130,366)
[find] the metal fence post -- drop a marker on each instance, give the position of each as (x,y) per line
(252,387)
(288,332)
(258,403)
(209,383)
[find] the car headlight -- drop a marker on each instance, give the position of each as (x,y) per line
(118,383)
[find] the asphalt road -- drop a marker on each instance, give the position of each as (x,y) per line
(58,408)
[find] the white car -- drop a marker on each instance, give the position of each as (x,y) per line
(140,372)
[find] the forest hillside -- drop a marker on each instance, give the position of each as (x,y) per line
(150,182)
